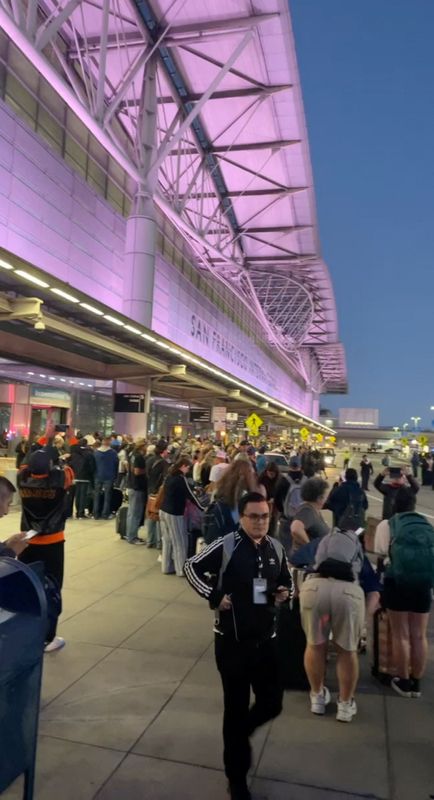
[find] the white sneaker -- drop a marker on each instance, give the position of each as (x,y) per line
(159,559)
(318,702)
(56,644)
(347,709)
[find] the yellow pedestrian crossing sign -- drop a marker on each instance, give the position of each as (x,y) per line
(253,423)
(423,440)
(304,433)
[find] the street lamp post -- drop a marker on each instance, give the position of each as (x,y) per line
(405,426)
(416,420)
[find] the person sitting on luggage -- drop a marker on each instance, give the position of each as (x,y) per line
(332,600)
(407,542)
(348,493)
(308,523)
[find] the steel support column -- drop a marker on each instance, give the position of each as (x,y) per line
(141,225)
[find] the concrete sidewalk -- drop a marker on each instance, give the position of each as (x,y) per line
(132,707)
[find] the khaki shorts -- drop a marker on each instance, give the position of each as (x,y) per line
(327,604)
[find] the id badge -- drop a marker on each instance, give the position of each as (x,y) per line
(260,591)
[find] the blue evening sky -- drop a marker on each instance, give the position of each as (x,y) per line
(367,74)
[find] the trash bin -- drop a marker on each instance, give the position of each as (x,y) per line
(23,625)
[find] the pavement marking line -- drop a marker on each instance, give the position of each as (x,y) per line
(379,500)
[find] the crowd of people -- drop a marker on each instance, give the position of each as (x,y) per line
(249,539)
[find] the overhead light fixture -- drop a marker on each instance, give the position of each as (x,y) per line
(65,295)
(132,329)
(90,385)
(5,264)
(41,375)
(82,384)
(149,338)
(92,309)
(114,320)
(31,278)
(30,373)
(51,378)
(72,381)
(63,380)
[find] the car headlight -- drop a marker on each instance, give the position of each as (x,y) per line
(328,460)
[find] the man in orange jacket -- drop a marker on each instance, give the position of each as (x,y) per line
(43,485)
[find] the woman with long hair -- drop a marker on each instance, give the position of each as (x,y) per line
(172,521)
(238,479)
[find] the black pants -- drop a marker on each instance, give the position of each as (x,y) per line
(52,557)
(365,482)
(81,497)
(245,665)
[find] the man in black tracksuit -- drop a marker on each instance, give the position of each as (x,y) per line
(255,579)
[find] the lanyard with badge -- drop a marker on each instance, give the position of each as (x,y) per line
(260,586)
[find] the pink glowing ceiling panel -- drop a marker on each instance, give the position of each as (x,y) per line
(200,102)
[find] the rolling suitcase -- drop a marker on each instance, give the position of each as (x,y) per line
(121,521)
(291,643)
(117,500)
(382,667)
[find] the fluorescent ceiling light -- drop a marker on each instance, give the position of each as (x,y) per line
(5,265)
(114,320)
(63,380)
(30,373)
(65,295)
(164,345)
(92,309)
(41,375)
(31,278)
(149,338)
(132,329)
(51,378)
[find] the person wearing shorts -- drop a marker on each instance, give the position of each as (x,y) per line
(408,611)
(336,606)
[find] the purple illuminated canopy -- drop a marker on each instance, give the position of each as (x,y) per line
(201,104)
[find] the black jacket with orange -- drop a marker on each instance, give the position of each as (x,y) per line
(43,499)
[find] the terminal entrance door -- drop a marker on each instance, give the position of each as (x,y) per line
(42,414)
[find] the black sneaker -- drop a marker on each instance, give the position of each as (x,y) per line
(415,687)
(238,791)
(402,686)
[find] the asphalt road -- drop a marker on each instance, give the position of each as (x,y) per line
(425,497)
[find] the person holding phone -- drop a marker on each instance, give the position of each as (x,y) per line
(389,482)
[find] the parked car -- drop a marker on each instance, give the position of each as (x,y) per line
(328,455)
(279,459)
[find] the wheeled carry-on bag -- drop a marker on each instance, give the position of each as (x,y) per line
(121,521)
(291,644)
(382,667)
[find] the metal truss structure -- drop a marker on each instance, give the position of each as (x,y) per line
(200,103)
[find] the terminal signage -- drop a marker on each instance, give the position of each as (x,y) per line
(253,423)
(219,414)
(129,403)
(200,415)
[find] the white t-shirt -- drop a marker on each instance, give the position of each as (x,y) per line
(382,538)
(217,471)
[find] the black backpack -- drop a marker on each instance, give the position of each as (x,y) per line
(217,521)
(353,516)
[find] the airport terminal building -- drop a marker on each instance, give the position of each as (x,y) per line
(158,235)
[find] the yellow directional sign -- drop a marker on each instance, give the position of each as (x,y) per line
(304,433)
(332,438)
(253,423)
(423,440)
(319,437)
(404,441)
